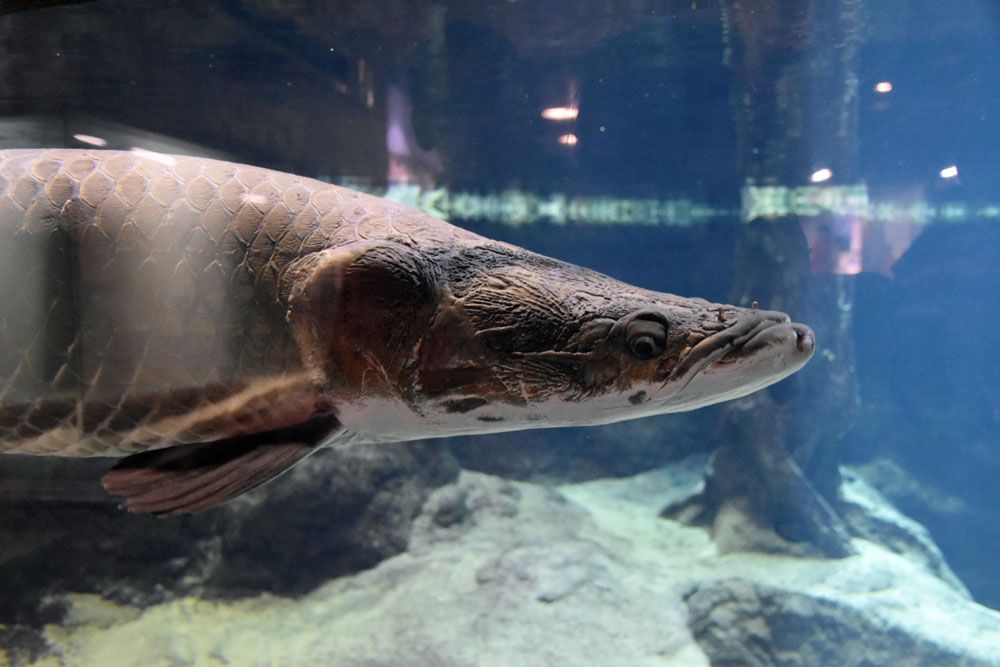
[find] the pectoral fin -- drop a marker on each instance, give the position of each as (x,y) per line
(189,478)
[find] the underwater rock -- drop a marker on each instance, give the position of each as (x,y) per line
(502,573)
(739,622)
(870,515)
(755,496)
(964,525)
(911,495)
(928,439)
(345,512)
(339,512)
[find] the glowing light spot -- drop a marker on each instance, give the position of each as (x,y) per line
(950,171)
(821,175)
(883,87)
(560,113)
(568,140)
(89,139)
(153,155)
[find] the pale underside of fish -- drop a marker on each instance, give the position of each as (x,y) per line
(218,322)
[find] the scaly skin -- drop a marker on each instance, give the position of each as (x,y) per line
(144,301)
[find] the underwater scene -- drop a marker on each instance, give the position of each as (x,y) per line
(447,333)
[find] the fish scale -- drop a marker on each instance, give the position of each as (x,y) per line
(140,292)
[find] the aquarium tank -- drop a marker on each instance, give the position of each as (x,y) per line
(832,160)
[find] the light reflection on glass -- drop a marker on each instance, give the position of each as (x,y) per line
(950,171)
(90,139)
(568,140)
(835,244)
(560,113)
(883,87)
(821,175)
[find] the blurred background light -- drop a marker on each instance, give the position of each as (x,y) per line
(560,113)
(90,139)
(821,175)
(950,171)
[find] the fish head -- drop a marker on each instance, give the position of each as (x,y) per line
(484,337)
(529,341)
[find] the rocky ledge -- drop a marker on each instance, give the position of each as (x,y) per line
(505,573)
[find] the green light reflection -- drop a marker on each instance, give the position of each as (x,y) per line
(518,207)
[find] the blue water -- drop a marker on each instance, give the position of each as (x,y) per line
(653,179)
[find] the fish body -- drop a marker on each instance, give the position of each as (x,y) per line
(199,315)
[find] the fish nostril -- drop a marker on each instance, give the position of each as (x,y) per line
(805,340)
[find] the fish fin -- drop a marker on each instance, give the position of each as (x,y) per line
(189,478)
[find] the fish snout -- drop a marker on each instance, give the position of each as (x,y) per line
(805,339)
(795,341)
(749,333)
(756,349)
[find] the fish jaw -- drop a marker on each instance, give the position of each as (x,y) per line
(772,349)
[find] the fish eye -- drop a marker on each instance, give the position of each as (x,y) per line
(646,338)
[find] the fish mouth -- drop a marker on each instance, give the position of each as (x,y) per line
(748,337)
(795,337)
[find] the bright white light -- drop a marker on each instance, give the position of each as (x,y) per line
(949,172)
(821,175)
(568,140)
(883,87)
(153,155)
(88,139)
(560,113)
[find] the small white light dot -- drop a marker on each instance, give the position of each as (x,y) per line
(90,139)
(883,87)
(821,175)
(950,171)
